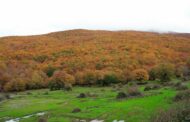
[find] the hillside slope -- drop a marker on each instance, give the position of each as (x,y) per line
(80,50)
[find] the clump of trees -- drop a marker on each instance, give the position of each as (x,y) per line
(15,85)
(163,72)
(19,76)
(108,78)
(61,80)
(140,75)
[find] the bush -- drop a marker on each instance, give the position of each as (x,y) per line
(182,95)
(178,113)
(133,91)
(165,72)
(90,77)
(41,58)
(76,110)
(60,79)
(7,96)
(151,87)
(188,63)
(46,93)
(49,70)
(180,86)
(127,75)
(82,95)
(79,78)
(140,75)
(108,79)
(38,80)
(121,95)
(42,119)
(56,84)
(29,93)
(153,74)
(15,85)
(89,94)
(148,88)
(1,98)
(68,87)
(186,73)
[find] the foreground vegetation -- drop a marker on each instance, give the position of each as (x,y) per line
(101,103)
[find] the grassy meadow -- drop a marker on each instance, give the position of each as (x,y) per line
(101,105)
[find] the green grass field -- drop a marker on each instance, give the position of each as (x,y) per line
(58,105)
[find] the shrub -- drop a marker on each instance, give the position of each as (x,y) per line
(68,87)
(99,65)
(182,95)
(148,88)
(79,78)
(57,81)
(1,98)
(151,87)
(90,94)
(179,71)
(153,74)
(90,77)
(42,119)
(60,79)
(56,84)
(7,96)
(29,93)
(109,78)
(82,95)
(177,113)
(121,95)
(165,72)
(15,85)
(76,110)
(49,70)
(127,75)
(4,79)
(69,79)
(133,91)
(140,75)
(41,58)
(38,80)
(4,96)
(188,63)
(180,86)
(186,73)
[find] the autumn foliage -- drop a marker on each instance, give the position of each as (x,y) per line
(140,75)
(86,57)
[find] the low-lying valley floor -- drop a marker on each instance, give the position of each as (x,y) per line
(87,104)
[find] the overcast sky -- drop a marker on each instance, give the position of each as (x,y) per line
(25,17)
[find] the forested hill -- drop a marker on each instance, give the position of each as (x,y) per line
(27,58)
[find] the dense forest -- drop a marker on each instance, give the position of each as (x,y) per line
(85,57)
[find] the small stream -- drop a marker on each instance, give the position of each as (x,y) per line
(43,113)
(25,117)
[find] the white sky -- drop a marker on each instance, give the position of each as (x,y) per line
(25,17)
